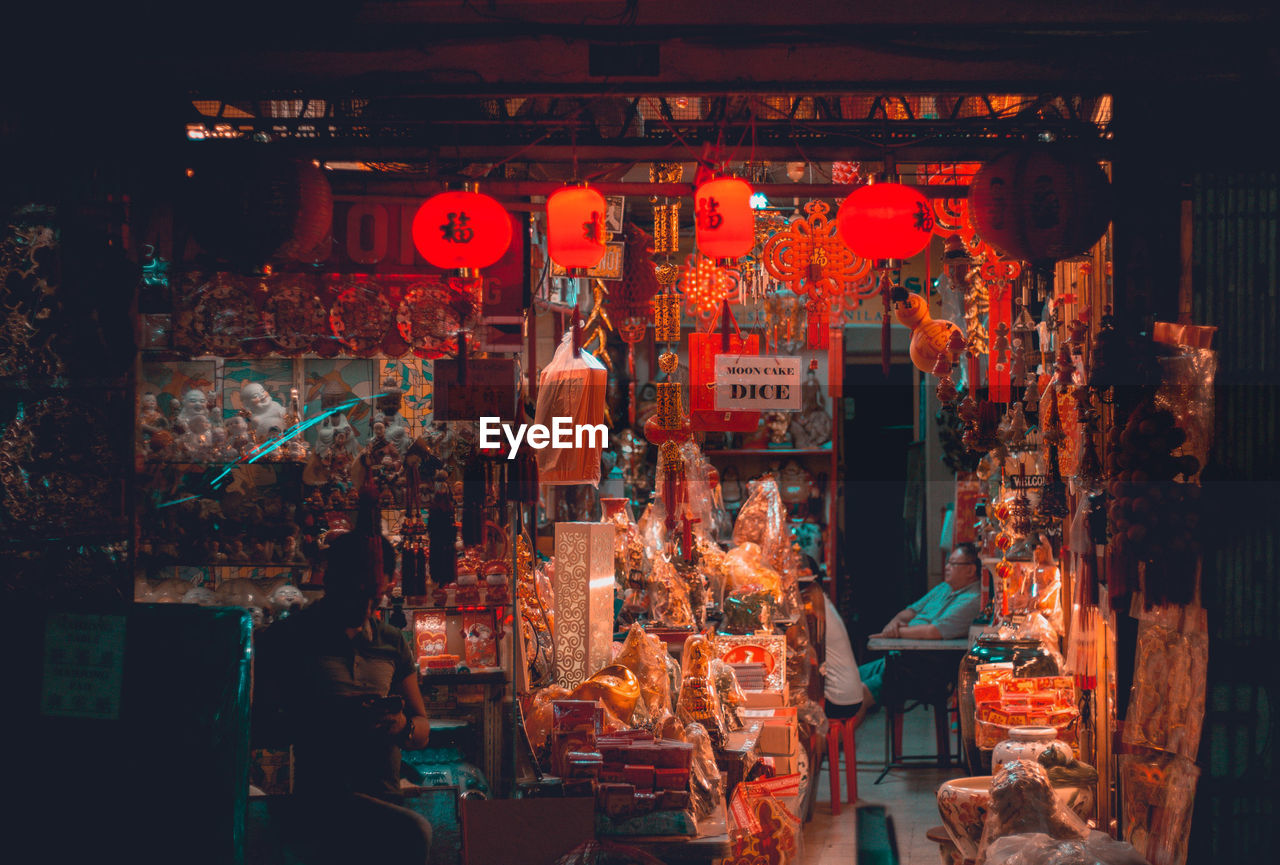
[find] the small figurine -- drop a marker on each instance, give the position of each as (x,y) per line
(150,419)
(698,701)
(264,410)
(240,440)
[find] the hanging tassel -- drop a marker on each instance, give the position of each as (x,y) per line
(885,289)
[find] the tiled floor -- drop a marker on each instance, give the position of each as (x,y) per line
(907,794)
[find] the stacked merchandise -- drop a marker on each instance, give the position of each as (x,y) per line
(1006,701)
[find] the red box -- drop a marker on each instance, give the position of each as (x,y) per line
(673,800)
(640,776)
(671,779)
(574,716)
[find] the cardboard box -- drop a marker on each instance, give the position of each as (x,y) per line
(762,699)
(777,736)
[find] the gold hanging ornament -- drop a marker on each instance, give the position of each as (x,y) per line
(666,316)
(669,393)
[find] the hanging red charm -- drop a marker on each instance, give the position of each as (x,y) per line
(461,230)
(575,227)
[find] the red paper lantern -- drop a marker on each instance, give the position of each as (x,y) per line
(725,224)
(575,227)
(1040,205)
(885,220)
(461,230)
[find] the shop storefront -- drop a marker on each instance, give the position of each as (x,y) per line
(650,395)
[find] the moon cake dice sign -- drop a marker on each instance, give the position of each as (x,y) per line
(751,383)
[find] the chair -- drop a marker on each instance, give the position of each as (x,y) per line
(941,702)
(842,730)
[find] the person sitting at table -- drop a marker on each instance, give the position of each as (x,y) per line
(944,613)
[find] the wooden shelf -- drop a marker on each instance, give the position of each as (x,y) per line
(491,677)
(782,452)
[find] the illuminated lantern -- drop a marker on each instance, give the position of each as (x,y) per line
(461,230)
(885,221)
(724,222)
(575,227)
(1040,205)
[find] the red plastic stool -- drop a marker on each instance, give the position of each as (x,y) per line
(842,729)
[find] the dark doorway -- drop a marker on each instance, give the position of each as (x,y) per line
(876,442)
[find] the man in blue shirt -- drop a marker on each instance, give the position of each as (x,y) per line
(944,613)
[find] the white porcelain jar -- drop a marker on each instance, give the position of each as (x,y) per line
(1024,743)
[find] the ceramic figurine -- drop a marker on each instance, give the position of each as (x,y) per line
(265,412)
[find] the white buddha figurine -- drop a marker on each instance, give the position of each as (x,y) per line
(265,412)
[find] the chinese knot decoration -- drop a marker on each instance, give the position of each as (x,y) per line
(461,230)
(575,227)
(810,256)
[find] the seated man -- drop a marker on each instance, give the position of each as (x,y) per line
(944,613)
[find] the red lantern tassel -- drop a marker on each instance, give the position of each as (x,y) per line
(885,288)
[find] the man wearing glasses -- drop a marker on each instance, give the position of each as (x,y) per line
(944,613)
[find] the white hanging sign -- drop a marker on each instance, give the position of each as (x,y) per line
(746,382)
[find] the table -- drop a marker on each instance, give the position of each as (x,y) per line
(894,759)
(893,644)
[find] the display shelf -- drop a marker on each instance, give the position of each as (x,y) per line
(457,608)
(210,563)
(782,452)
(489,677)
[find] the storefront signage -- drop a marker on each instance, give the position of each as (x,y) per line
(489,389)
(610,267)
(746,382)
(83,666)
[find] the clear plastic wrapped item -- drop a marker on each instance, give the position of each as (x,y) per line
(573,386)
(706,787)
(1166,706)
(646,656)
(761,521)
(1022,801)
(1039,849)
(730,694)
(1157,792)
(699,700)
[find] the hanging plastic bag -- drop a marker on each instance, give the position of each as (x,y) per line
(572,386)
(1166,704)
